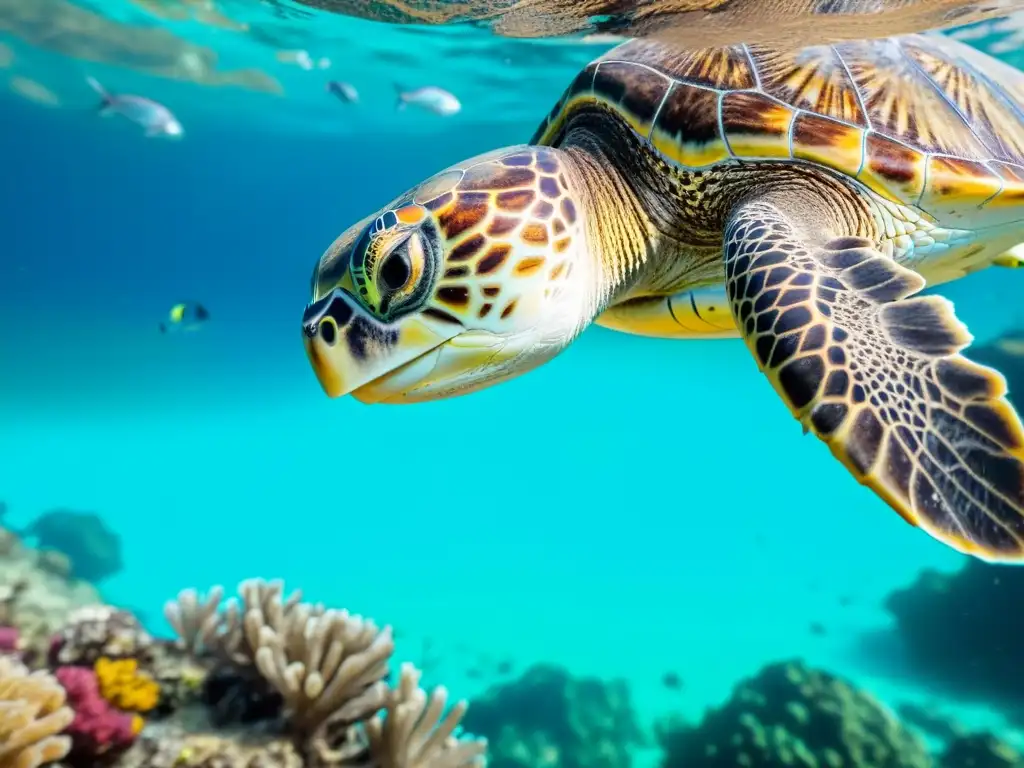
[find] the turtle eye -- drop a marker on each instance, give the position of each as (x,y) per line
(396,270)
(401,269)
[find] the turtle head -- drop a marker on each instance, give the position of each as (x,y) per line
(473,277)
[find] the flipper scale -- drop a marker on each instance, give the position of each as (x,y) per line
(875,371)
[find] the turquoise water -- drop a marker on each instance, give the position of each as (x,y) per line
(635,506)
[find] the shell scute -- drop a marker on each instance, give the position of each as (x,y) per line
(952,181)
(756,125)
(687,130)
(815,80)
(990,110)
(829,142)
(893,113)
(726,69)
(1012,193)
(903,102)
(638,92)
(893,170)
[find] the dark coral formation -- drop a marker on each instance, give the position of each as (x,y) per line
(962,630)
(980,750)
(790,716)
(549,718)
(91,548)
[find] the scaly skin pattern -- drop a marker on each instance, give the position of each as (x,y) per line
(876,373)
(505,220)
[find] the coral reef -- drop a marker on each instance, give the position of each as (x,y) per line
(32,716)
(549,718)
(267,681)
(791,716)
(261,681)
(34,599)
(961,631)
(264,679)
(99,631)
(317,674)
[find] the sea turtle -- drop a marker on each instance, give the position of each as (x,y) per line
(801,199)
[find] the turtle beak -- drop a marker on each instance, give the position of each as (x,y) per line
(350,349)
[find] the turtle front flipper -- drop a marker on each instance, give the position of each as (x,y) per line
(878,376)
(702,313)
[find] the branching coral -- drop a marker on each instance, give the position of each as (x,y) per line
(196,620)
(32,714)
(232,634)
(416,733)
(325,665)
(329,668)
(123,685)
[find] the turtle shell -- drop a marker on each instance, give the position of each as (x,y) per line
(922,121)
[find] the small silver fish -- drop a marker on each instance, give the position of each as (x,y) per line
(431,98)
(346,92)
(155,118)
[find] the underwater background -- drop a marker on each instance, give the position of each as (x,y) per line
(639,509)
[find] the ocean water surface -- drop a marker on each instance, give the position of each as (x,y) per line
(635,506)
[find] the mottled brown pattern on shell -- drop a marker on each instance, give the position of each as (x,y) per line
(814,80)
(902,102)
(754,117)
(899,166)
(691,114)
(637,90)
(724,68)
(816,138)
(935,96)
(996,120)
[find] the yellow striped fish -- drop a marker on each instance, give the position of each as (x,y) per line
(185,316)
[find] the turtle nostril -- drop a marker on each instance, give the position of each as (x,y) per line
(328,332)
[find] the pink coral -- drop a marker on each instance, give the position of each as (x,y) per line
(10,640)
(98,727)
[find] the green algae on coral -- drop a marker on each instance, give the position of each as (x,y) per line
(792,716)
